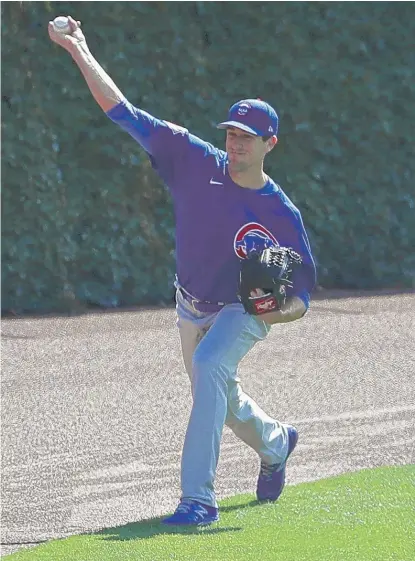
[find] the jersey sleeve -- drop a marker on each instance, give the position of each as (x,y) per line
(166,144)
(304,276)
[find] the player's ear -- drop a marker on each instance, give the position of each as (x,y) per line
(272,142)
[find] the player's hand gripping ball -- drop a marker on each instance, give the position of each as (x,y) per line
(66,32)
(264,278)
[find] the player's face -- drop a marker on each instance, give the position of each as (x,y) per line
(244,150)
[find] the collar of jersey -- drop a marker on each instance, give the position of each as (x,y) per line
(268,189)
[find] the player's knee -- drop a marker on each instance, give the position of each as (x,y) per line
(235,406)
(234,399)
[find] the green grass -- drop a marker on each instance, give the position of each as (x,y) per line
(364,516)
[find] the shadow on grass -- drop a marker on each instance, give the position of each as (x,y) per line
(153,527)
(148,529)
(244,504)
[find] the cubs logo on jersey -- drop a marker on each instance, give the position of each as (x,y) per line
(253,237)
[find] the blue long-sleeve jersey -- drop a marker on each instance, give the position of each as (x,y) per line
(217,222)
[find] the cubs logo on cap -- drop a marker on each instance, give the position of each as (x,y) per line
(243,108)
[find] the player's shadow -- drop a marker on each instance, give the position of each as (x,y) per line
(150,528)
(153,527)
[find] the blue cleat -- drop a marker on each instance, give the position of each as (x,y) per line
(271,478)
(192,513)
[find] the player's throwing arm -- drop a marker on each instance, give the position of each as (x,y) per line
(67,33)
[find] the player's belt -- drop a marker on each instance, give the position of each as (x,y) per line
(200,305)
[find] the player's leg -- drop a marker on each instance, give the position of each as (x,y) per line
(232,334)
(267,436)
(244,417)
(192,326)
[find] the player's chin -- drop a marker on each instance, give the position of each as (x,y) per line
(237,164)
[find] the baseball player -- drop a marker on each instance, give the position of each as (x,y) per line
(226,208)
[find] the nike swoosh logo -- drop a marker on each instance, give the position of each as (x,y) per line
(213,182)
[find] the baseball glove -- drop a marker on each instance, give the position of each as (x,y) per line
(264,278)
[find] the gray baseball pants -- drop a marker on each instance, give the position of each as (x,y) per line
(212,347)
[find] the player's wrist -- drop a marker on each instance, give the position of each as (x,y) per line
(293,309)
(80,52)
(273,317)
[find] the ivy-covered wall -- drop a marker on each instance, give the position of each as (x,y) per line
(84,218)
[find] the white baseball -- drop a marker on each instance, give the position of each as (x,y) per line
(61,24)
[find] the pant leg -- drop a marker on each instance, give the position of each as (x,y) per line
(267,436)
(215,360)
(244,417)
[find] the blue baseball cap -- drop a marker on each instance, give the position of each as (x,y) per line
(254,116)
